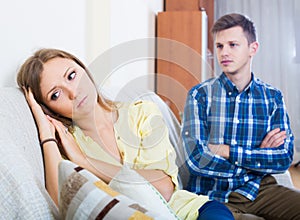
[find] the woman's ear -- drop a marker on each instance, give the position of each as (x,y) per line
(253,48)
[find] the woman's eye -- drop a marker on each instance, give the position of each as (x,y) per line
(55,96)
(71,75)
(233,45)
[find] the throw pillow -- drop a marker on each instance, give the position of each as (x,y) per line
(133,185)
(84,196)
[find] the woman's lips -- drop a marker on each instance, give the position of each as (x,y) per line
(81,102)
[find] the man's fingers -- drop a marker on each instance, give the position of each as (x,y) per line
(274,138)
(271,134)
(278,139)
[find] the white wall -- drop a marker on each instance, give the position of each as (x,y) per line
(122,54)
(32,24)
(90,29)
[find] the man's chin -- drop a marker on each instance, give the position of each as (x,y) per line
(230,72)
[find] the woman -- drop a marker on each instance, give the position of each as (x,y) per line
(102,135)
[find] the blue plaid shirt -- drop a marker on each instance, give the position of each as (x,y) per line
(217,113)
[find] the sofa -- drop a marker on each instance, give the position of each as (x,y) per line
(22,186)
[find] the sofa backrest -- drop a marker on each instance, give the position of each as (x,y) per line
(22,186)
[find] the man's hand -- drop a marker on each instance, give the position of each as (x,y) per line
(274,138)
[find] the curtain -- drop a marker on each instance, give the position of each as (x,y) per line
(278,59)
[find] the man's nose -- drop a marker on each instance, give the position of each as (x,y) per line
(225,50)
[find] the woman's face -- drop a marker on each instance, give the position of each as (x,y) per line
(66,88)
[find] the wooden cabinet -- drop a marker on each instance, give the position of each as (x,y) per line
(181,55)
(182,5)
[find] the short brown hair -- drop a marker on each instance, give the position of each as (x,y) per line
(233,20)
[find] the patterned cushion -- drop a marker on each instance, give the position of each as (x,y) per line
(84,196)
(134,186)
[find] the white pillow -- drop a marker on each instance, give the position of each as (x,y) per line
(84,196)
(133,185)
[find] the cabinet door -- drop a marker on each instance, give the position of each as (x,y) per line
(182,5)
(179,55)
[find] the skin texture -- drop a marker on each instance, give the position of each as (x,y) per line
(66,89)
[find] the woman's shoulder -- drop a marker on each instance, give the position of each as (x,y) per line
(140,107)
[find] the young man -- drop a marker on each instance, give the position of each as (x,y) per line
(236,131)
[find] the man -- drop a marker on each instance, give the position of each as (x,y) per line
(236,131)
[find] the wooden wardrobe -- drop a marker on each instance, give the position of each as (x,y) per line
(182,49)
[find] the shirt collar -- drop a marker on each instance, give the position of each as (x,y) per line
(231,88)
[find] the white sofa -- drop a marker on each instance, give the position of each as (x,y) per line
(22,191)
(22,186)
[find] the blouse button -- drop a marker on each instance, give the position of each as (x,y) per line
(186,133)
(118,137)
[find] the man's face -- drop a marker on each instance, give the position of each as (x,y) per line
(233,51)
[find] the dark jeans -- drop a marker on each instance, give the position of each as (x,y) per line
(213,210)
(274,202)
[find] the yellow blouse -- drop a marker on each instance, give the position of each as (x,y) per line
(143,141)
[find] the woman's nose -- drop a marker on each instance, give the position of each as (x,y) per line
(71,92)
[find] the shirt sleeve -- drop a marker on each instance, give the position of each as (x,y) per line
(268,160)
(155,150)
(200,160)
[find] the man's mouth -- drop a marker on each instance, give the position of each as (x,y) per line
(226,62)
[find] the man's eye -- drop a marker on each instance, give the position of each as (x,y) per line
(233,45)
(71,75)
(55,96)
(220,46)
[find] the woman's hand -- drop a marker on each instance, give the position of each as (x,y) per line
(68,142)
(46,129)
(52,155)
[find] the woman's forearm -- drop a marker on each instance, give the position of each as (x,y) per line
(161,181)
(52,159)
